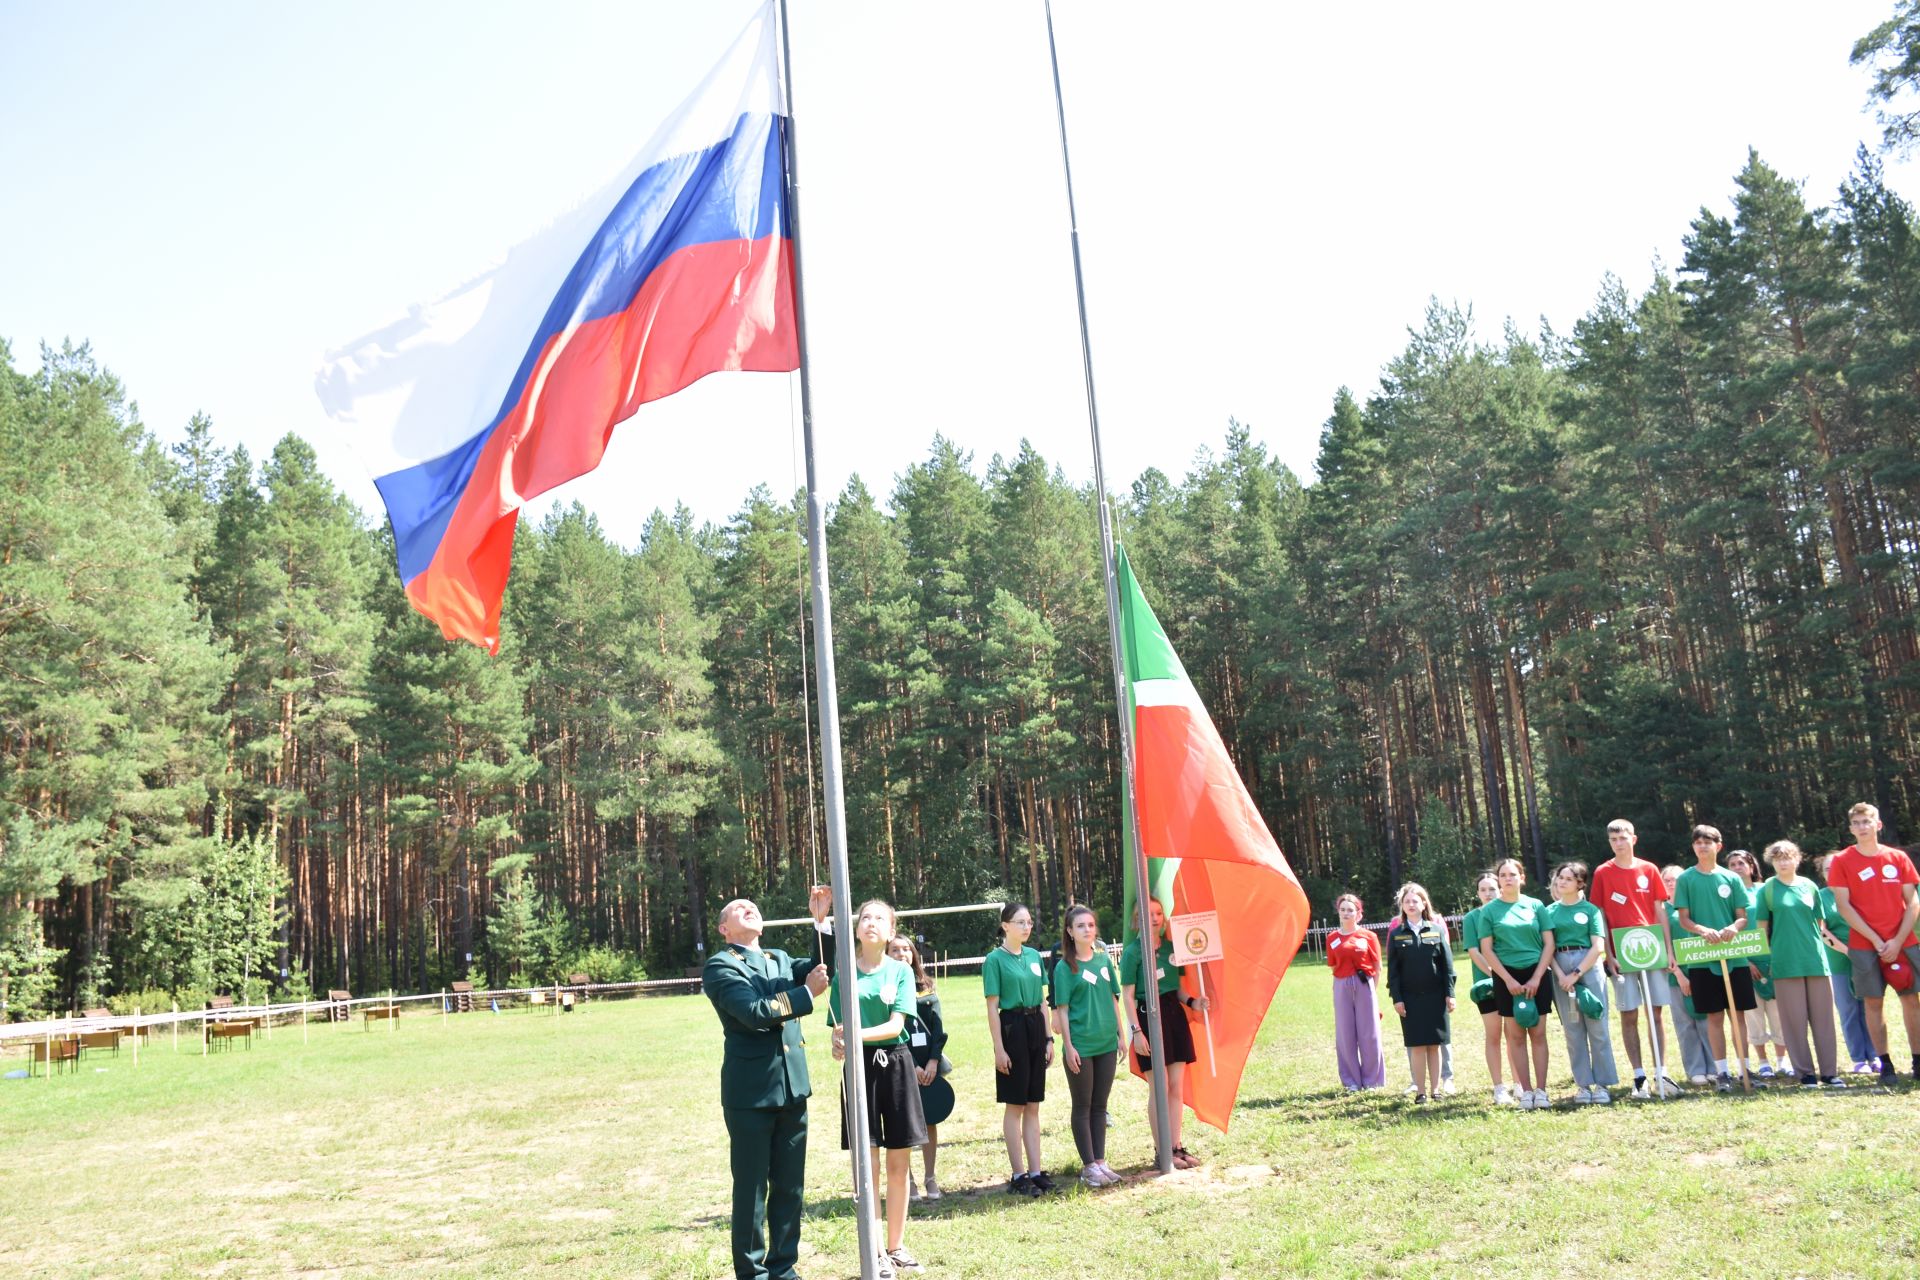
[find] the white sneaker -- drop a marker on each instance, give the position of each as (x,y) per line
(1668,1089)
(1765,1072)
(1581,1096)
(1501,1098)
(1446,1087)
(1113,1176)
(1540,1100)
(1410,1090)
(1526,1100)
(1640,1090)
(1600,1095)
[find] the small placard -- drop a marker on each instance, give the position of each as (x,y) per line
(1196,937)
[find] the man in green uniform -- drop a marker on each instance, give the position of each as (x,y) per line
(760,996)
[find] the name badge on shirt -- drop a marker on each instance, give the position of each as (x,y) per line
(1621,898)
(1090,976)
(1866,873)
(1035,966)
(919,1039)
(1159,972)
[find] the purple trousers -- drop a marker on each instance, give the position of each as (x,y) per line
(1356,1033)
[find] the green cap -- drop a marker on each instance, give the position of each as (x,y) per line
(1591,1006)
(1482,990)
(1525,1011)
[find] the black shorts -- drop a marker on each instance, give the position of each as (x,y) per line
(894,1118)
(1023,1034)
(1503,998)
(1492,1003)
(1175,1031)
(1710,994)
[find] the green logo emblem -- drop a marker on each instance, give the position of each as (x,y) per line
(1639,948)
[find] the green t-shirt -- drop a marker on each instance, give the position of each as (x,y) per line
(1836,923)
(1019,981)
(1711,898)
(884,992)
(1164,968)
(1794,913)
(1087,996)
(1515,929)
(1577,924)
(1470,940)
(1673,926)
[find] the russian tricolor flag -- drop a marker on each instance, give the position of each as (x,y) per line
(513,383)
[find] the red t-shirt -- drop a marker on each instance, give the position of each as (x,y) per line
(1628,896)
(1873,883)
(1351,953)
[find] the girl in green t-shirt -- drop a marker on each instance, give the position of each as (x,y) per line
(1088,1018)
(1014,980)
(895,1122)
(1487,889)
(1176,1033)
(1788,909)
(1763,1020)
(1516,947)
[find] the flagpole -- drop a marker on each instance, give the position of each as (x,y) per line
(1149,988)
(826,689)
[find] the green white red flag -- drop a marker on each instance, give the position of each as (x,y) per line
(1208,849)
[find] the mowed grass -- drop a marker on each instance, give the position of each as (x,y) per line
(591,1144)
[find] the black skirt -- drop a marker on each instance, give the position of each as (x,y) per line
(1023,1034)
(1175,1030)
(894,1118)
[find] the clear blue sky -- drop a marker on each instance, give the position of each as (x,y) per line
(215,194)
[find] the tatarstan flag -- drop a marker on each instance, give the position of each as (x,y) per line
(1208,849)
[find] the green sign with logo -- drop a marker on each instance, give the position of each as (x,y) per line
(1691,950)
(1639,947)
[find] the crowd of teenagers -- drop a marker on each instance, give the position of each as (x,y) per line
(1835,948)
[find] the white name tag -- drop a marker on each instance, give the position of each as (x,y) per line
(1621,898)
(1035,966)
(1159,973)
(920,1038)
(1090,976)
(1866,873)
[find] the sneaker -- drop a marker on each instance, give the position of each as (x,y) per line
(1888,1077)
(1601,1096)
(1411,1090)
(1114,1176)
(883,1266)
(1581,1097)
(1526,1099)
(1834,1082)
(1809,1082)
(1698,1080)
(1765,1072)
(1090,1177)
(1540,1100)
(1041,1182)
(1724,1084)
(1185,1159)
(1640,1090)
(932,1191)
(1501,1098)
(1022,1185)
(1668,1089)
(1863,1068)
(1447,1087)
(902,1260)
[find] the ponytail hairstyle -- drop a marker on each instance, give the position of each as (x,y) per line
(1007,913)
(1359,909)
(1067,948)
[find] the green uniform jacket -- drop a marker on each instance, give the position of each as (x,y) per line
(760,997)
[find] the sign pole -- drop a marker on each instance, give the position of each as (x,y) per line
(1737,1025)
(1653,1033)
(1206,1017)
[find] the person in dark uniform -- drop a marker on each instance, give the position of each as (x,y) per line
(760,996)
(1420,978)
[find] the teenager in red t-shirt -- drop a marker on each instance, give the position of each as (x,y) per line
(1628,890)
(1354,955)
(1873,887)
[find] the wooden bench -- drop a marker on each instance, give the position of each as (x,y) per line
(337,1009)
(220,1035)
(65,1051)
(379,1013)
(109,1039)
(462,997)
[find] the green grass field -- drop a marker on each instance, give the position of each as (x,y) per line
(591,1144)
